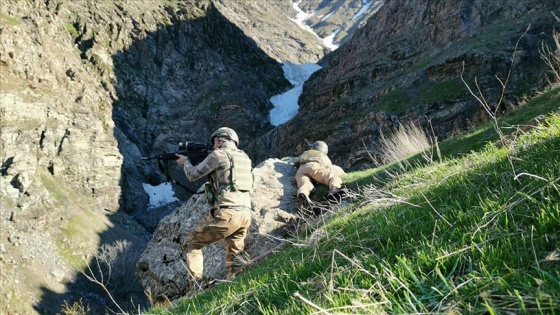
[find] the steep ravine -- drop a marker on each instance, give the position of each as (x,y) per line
(87,88)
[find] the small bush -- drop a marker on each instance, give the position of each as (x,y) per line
(551,56)
(113,269)
(408,140)
(77,308)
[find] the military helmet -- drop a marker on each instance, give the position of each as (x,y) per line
(225,132)
(321,146)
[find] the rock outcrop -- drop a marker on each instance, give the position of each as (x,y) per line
(161,267)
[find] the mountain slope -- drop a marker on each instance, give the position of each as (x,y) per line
(88,87)
(338,19)
(473,234)
(406,64)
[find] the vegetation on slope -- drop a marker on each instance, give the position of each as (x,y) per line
(473,233)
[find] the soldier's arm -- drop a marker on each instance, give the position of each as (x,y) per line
(209,164)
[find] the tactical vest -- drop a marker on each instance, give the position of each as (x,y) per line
(311,156)
(241,177)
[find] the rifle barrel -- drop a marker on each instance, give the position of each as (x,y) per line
(195,155)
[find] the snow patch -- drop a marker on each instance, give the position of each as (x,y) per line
(286,104)
(160,195)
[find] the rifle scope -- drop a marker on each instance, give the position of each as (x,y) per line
(194,146)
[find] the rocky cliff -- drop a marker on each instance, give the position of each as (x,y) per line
(337,20)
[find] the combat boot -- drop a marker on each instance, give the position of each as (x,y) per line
(304,201)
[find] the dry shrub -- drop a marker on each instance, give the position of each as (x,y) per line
(77,308)
(118,262)
(407,140)
(113,269)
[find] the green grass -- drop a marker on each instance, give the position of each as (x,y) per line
(79,231)
(474,233)
(398,100)
(72,29)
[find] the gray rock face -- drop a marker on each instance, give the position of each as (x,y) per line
(161,268)
(338,19)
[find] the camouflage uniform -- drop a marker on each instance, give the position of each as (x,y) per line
(315,165)
(230,217)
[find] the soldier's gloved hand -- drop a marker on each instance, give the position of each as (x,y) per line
(181,159)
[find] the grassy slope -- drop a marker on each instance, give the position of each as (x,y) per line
(475,233)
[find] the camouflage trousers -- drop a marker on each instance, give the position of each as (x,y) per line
(226,223)
(320,174)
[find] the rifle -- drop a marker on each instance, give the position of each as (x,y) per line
(196,152)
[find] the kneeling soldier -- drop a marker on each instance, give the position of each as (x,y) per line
(228,191)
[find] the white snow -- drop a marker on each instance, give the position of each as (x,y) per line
(328,41)
(327,16)
(301,17)
(160,195)
(286,105)
(300,20)
(365,5)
